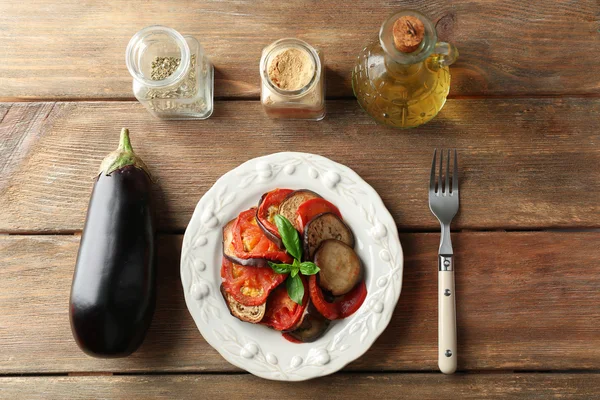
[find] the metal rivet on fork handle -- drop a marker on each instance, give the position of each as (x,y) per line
(448,353)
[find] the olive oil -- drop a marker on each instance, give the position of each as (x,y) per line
(399,95)
(404,89)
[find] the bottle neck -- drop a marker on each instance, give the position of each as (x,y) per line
(415,57)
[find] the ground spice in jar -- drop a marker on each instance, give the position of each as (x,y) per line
(292,80)
(291,69)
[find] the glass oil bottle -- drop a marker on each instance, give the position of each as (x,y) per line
(402,78)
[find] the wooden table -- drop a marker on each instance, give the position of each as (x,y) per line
(524,112)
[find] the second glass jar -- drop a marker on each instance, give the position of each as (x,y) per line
(173,78)
(306,102)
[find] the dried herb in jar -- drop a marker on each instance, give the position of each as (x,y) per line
(163,67)
(173,77)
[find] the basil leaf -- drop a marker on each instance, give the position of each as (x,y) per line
(295,288)
(295,268)
(280,268)
(309,268)
(289,236)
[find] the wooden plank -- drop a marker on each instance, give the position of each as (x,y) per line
(19,131)
(73,49)
(526,301)
(526,163)
(339,386)
(4,107)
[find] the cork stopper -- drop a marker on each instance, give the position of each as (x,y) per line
(408,33)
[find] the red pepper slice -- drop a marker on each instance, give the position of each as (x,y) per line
(290,338)
(343,306)
(282,312)
(249,240)
(311,208)
(249,285)
(269,207)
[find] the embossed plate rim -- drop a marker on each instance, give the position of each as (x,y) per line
(257,349)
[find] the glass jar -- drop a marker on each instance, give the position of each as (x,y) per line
(306,102)
(173,78)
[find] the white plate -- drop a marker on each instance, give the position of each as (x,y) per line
(258,349)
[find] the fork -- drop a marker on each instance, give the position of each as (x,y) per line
(443,202)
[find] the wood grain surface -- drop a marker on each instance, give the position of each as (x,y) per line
(340,386)
(524,115)
(73,49)
(526,301)
(525,164)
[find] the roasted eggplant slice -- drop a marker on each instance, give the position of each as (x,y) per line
(252,314)
(322,227)
(229,252)
(340,266)
(311,208)
(312,327)
(292,201)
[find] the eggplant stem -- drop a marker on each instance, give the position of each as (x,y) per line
(122,157)
(124,141)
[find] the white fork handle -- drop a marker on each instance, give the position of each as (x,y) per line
(447,317)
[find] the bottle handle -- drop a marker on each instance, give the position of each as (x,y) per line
(448,53)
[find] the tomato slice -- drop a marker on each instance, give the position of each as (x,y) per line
(313,207)
(290,338)
(249,240)
(342,306)
(249,285)
(282,312)
(269,207)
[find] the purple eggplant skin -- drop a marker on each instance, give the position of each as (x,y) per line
(114,285)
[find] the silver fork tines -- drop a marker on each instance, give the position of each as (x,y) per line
(443,199)
(435,183)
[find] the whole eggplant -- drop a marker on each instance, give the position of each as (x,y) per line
(114,285)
